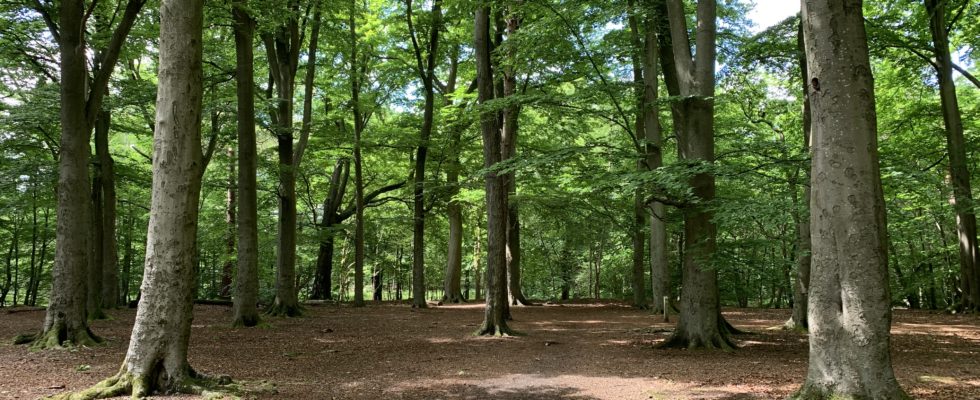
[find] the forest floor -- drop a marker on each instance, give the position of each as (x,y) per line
(571,351)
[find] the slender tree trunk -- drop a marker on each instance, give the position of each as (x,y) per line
(127,259)
(640,73)
(454,258)
(355,78)
(33,272)
(478,275)
(966,220)
(850,306)
(228,266)
(246,293)
(107,172)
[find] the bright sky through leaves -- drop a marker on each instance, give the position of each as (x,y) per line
(770,12)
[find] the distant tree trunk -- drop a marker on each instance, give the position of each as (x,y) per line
(478,275)
(246,294)
(966,219)
(850,306)
(377,284)
(322,289)
(641,60)
(496,312)
(228,267)
(33,273)
(454,258)
(355,75)
(110,265)
(8,273)
(700,324)
(127,259)
(802,221)
(97,252)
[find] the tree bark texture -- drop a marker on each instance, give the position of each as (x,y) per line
(496,311)
(802,219)
(110,260)
(246,293)
(700,324)
(850,304)
(966,219)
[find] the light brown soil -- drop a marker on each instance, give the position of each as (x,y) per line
(579,351)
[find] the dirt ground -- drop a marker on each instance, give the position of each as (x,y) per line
(580,351)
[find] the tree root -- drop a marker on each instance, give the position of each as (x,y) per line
(245,321)
(717,341)
(501,330)
(59,338)
(141,386)
(282,310)
(813,392)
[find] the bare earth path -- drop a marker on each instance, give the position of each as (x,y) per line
(569,352)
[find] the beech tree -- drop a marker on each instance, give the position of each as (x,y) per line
(156,361)
(66,322)
(850,301)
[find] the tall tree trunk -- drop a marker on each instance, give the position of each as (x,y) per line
(96,254)
(66,320)
(426,71)
(639,59)
(127,258)
(33,274)
(966,219)
(355,77)
(454,211)
(156,360)
(850,304)
(246,293)
(496,311)
(801,218)
(282,47)
(107,236)
(700,324)
(478,275)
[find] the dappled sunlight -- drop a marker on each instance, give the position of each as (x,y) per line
(536,386)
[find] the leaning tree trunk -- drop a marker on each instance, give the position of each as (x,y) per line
(246,293)
(850,310)
(966,219)
(156,360)
(496,311)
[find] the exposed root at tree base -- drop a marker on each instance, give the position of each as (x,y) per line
(245,321)
(420,305)
(812,392)
(640,306)
(717,341)
(495,330)
(58,337)
(729,328)
(522,301)
(140,387)
(282,310)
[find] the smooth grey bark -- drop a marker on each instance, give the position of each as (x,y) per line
(246,294)
(426,71)
(700,324)
(66,320)
(156,360)
(496,310)
(850,304)
(962,200)
(801,282)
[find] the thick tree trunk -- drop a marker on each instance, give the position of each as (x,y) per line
(700,324)
(454,211)
(496,311)
(322,286)
(156,360)
(966,219)
(66,320)
(246,293)
(849,311)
